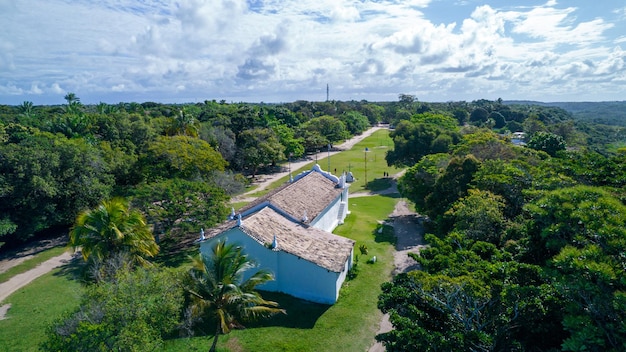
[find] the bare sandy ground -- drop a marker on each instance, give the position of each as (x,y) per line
(409,233)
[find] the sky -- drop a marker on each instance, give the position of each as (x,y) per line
(286,50)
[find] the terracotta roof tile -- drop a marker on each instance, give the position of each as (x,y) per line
(320,247)
(310,194)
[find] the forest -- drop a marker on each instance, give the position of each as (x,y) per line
(526,243)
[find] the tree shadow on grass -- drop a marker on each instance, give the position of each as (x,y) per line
(73,270)
(378,184)
(385,234)
(301,314)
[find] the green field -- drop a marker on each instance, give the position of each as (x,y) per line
(35,306)
(355,160)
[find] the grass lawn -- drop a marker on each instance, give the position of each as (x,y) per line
(34,307)
(348,325)
(32,262)
(354,160)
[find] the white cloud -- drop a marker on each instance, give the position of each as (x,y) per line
(34,89)
(290,49)
(56,89)
(621,12)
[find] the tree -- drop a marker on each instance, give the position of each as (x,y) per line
(183,204)
(221,139)
(479,216)
(26,108)
(413,140)
(506,179)
(547,142)
(112,228)
(133,312)
(293,146)
(181,156)
(73,104)
(471,296)
(419,180)
(71,98)
(451,185)
(46,179)
(330,127)
(355,122)
(498,119)
(259,147)
(436,313)
(479,116)
(217,288)
(182,123)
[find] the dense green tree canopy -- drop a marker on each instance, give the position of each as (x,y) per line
(182,205)
(547,142)
(259,147)
(413,140)
(181,156)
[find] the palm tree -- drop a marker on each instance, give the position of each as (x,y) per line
(112,228)
(73,103)
(217,289)
(71,98)
(26,108)
(183,124)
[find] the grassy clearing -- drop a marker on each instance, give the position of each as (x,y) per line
(354,160)
(35,307)
(350,323)
(32,262)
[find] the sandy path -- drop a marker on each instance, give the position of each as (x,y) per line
(409,233)
(268,179)
(23,279)
(18,281)
(16,257)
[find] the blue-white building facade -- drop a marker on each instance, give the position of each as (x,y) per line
(289,233)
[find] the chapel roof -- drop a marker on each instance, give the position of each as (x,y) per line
(308,195)
(325,249)
(279,213)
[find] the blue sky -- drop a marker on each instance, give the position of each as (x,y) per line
(285,50)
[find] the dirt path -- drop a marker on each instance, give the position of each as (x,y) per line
(409,233)
(268,179)
(20,280)
(16,257)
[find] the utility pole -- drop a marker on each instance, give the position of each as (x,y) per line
(327,91)
(366,151)
(329,158)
